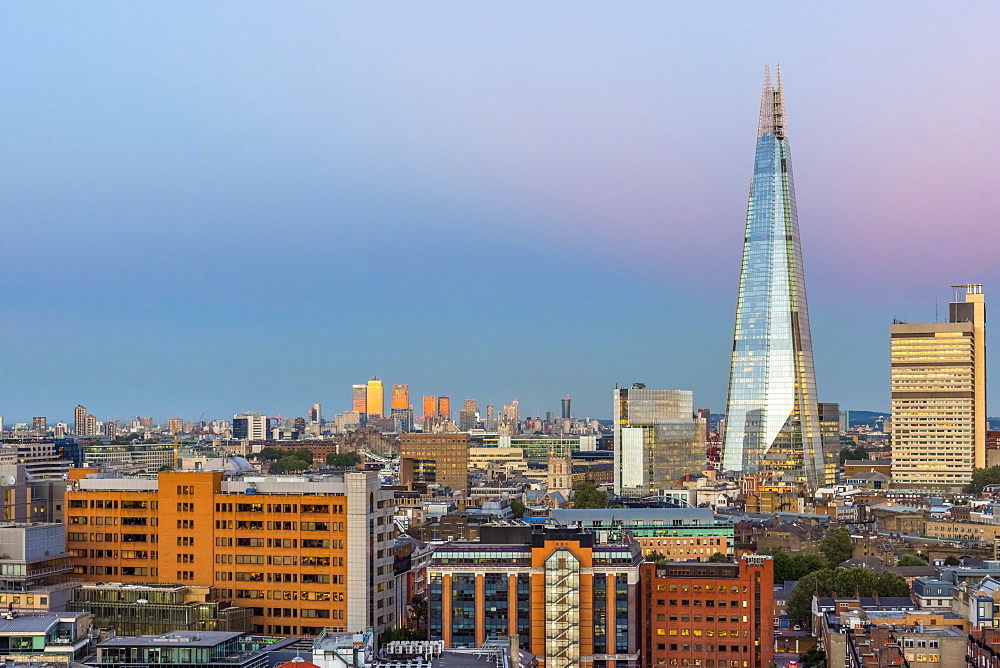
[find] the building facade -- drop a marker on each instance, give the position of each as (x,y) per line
(718,615)
(771,421)
(435,458)
(938,382)
(566,598)
(375,398)
(303,552)
(658,440)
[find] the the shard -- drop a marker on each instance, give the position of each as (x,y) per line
(772,428)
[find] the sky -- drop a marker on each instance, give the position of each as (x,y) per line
(212,208)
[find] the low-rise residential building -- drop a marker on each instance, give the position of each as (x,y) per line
(963,531)
(932,593)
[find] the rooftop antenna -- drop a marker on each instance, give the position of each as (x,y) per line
(937,318)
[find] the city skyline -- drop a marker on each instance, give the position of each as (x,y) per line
(197,197)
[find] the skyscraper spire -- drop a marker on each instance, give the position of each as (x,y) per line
(772,426)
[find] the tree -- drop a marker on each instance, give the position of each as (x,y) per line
(343,459)
(911,560)
(289,463)
(587,495)
(837,546)
(517,508)
(305,455)
(657,557)
(814,658)
(418,613)
(271,454)
(718,557)
(981,478)
(795,566)
(951,560)
(853,454)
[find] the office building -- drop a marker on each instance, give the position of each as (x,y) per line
(718,615)
(468,417)
(35,565)
(491,422)
(566,598)
(375,398)
(444,408)
(771,422)
(38,425)
(657,439)
(566,412)
(441,459)
(430,409)
(316,414)
(132,609)
(359,399)
(303,552)
(400,396)
(938,383)
(251,427)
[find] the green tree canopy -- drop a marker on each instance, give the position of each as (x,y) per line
(587,495)
(657,557)
(844,581)
(343,459)
(718,557)
(517,508)
(837,545)
(814,658)
(911,560)
(289,464)
(853,454)
(271,454)
(952,560)
(795,566)
(981,478)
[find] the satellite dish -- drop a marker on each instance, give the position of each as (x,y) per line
(9,480)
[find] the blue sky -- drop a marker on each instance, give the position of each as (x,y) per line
(251,206)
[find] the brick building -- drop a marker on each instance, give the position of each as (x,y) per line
(715,615)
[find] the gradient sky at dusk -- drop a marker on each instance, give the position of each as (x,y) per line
(221,207)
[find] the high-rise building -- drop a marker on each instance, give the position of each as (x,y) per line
(375,398)
(38,424)
(430,407)
(359,399)
(400,396)
(657,439)
(251,427)
(491,422)
(468,416)
(80,420)
(771,422)
(938,382)
(316,414)
(566,412)
(444,408)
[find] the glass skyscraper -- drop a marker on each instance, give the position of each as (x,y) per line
(771,421)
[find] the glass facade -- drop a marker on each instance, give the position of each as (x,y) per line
(562,610)
(463,610)
(771,421)
(657,439)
